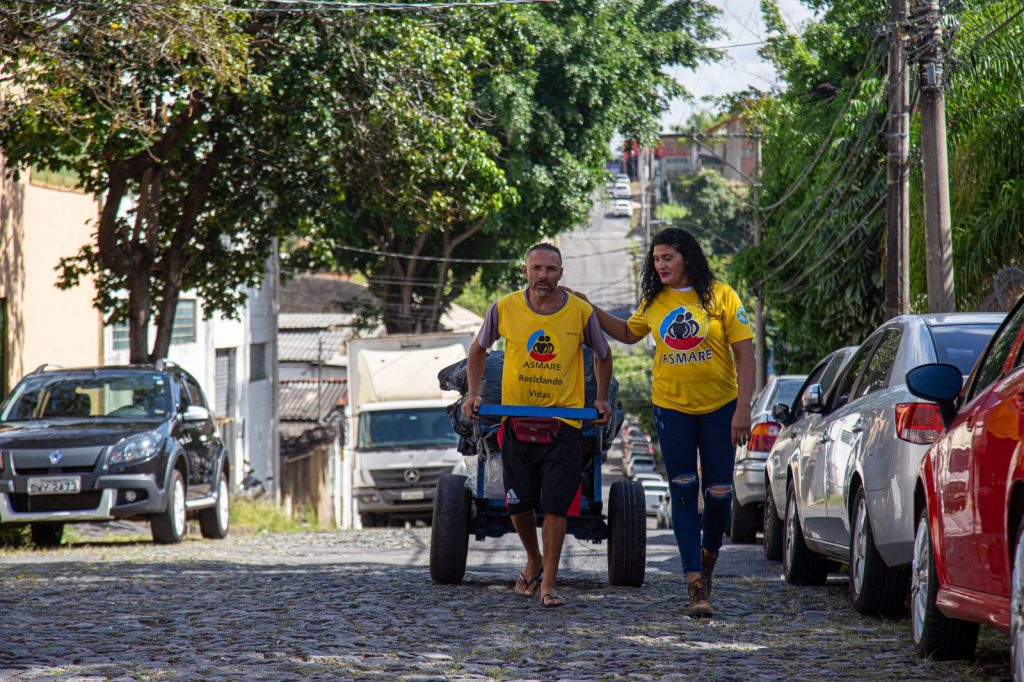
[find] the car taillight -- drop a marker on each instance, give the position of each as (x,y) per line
(919,423)
(763,435)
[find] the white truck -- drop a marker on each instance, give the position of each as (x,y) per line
(399,435)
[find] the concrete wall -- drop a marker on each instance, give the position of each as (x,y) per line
(38,226)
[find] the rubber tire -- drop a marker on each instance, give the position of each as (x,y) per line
(627,534)
(164,526)
(800,565)
(449,530)
(745,518)
(47,534)
(372,520)
(773,528)
(215,521)
(941,638)
(884,589)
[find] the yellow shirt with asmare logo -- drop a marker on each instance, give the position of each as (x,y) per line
(543,353)
(694,369)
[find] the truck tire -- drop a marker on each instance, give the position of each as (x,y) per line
(449,532)
(168,527)
(214,522)
(47,534)
(744,522)
(627,534)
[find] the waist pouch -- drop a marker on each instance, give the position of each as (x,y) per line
(538,430)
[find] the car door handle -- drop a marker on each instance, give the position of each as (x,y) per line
(823,438)
(858,426)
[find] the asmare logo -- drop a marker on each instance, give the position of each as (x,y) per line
(541,347)
(680,330)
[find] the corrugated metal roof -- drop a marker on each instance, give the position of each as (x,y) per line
(312,346)
(298,399)
(314,320)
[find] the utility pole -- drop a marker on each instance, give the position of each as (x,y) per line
(760,343)
(897,200)
(937,231)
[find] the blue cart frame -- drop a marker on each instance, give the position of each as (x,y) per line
(460,512)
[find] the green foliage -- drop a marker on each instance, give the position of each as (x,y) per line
(715,210)
(632,369)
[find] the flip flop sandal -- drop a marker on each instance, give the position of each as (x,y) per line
(528,586)
(551,600)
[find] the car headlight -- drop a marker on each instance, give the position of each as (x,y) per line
(135,449)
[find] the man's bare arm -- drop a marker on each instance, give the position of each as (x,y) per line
(474,374)
(603,375)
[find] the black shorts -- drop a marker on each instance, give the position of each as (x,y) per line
(542,476)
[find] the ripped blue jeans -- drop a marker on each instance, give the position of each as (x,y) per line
(683,437)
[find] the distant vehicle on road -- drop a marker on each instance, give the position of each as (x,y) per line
(102,443)
(639,464)
(622,208)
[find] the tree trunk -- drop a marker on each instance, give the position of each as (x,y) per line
(138,315)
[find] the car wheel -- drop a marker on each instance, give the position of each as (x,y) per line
(800,565)
(874,586)
(47,534)
(213,522)
(773,530)
(935,635)
(168,527)
(1017,609)
(744,522)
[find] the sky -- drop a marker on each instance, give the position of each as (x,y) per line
(741,23)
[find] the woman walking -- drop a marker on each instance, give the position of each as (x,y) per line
(702,385)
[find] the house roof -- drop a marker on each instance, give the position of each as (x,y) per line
(314,320)
(313,345)
(309,399)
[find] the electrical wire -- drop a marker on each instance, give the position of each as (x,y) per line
(292,6)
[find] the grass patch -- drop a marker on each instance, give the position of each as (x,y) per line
(262,516)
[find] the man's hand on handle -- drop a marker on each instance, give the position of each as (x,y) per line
(471,406)
(604,411)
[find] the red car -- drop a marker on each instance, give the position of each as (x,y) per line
(968,566)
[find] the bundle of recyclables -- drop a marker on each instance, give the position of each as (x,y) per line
(483,441)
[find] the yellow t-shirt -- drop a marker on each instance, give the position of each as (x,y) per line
(543,353)
(694,369)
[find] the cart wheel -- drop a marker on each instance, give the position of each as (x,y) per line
(627,541)
(449,532)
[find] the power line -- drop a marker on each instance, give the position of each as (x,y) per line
(292,6)
(392,254)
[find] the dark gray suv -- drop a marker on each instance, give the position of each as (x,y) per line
(105,443)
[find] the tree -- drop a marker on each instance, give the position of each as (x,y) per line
(548,87)
(714,209)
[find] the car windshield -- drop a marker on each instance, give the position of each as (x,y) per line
(129,396)
(390,429)
(961,345)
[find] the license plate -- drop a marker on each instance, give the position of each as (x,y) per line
(55,485)
(413,494)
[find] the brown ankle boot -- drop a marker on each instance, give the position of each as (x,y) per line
(699,606)
(707,562)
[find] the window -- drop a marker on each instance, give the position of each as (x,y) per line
(876,376)
(846,382)
(224,381)
(184,329)
(195,394)
(991,367)
(257,362)
(121,337)
(813,378)
(961,344)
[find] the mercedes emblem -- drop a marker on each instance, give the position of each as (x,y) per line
(411,475)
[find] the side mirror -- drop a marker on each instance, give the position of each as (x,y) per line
(938,383)
(196,413)
(811,399)
(780,411)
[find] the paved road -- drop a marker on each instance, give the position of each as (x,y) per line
(598,260)
(360,605)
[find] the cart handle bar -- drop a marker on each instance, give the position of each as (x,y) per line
(533,411)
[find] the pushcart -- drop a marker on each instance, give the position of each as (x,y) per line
(462,510)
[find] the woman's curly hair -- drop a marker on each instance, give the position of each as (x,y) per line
(701,278)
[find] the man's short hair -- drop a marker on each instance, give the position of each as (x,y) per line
(545,246)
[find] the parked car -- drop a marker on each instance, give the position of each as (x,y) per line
(748,472)
(968,562)
(103,443)
(795,422)
(622,208)
(850,498)
(655,487)
(663,516)
(639,464)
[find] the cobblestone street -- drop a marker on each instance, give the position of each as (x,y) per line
(360,605)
